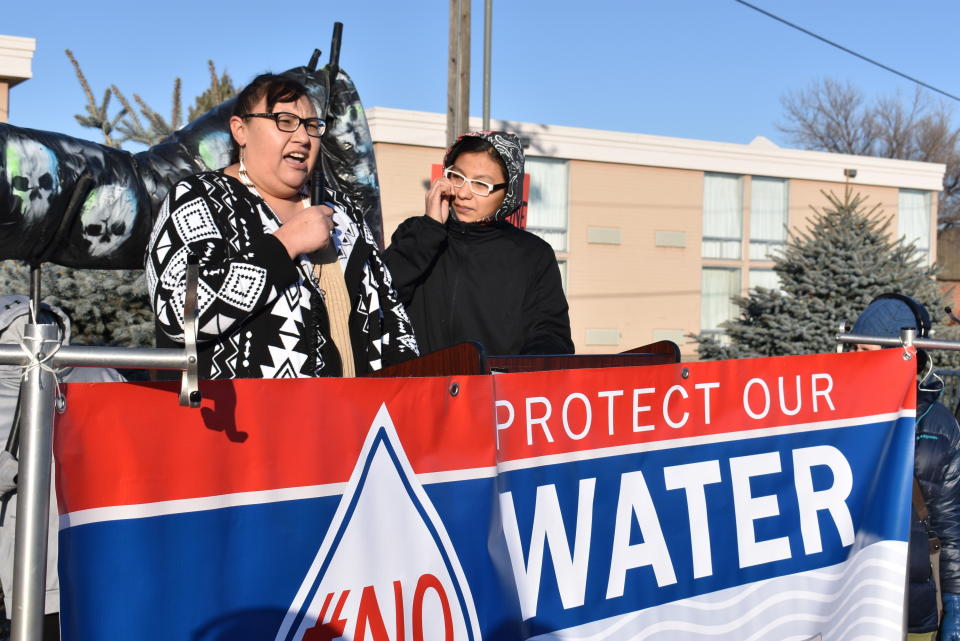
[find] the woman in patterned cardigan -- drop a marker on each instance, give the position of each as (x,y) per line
(286,289)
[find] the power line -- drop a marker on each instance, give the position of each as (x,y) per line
(850,51)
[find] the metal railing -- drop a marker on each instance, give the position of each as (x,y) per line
(40,355)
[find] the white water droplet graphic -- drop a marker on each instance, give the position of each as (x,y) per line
(386,569)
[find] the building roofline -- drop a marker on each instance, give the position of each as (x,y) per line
(760,158)
(16,54)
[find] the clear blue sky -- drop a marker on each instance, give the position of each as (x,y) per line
(707,69)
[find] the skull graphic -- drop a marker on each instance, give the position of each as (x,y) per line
(107,218)
(32,175)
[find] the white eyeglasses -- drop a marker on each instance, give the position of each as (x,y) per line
(479,187)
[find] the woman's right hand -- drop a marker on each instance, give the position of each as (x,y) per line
(306,231)
(438,200)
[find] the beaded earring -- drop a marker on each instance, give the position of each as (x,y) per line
(242,171)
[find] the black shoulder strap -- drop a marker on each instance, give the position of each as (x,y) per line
(919,504)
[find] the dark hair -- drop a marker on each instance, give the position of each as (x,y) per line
(270,86)
(472,145)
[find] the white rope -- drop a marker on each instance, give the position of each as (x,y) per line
(36,363)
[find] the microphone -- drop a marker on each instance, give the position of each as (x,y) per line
(316,184)
(328,254)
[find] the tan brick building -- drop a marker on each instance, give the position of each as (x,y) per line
(655,234)
(16,55)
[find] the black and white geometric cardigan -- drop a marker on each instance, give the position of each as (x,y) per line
(261,315)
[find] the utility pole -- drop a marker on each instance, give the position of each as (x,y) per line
(458,76)
(487,36)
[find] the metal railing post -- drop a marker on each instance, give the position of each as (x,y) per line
(41,353)
(33,491)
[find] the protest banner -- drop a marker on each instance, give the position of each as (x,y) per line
(755,499)
(354,503)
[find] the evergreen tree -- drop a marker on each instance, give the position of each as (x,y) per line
(127,126)
(157,127)
(828,273)
(221,89)
(106,307)
(97,114)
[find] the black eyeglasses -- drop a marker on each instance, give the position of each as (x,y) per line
(289,123)
(478,187)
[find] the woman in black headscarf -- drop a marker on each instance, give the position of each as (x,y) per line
(466,274)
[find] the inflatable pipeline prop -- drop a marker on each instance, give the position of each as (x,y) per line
(84,205)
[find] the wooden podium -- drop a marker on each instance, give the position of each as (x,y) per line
(469,358)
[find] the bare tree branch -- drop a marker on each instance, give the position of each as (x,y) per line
(832,116)
(829,116)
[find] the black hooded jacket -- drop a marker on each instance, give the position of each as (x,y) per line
(937,468)
(487,282)
(490,283)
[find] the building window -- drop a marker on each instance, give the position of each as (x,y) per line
(913,222)
(718,286)
(547,208)
(768,217)
(766,278)
(722,216)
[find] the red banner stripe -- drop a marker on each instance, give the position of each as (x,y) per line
(132,443)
